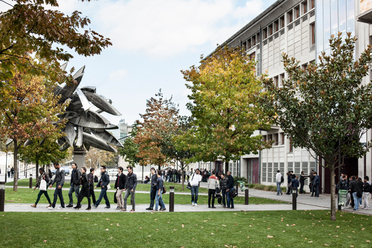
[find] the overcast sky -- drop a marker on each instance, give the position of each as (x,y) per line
(152,41)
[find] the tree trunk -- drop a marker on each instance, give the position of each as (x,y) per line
(15,165)
(37,170)
(182,169)
(333,198)
(226,167)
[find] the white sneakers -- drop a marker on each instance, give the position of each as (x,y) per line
(51,208)
(196,204)
(193,203)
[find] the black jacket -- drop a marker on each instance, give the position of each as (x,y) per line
(154,179)
(223,183)
(230,182)
(91,180)
(131,182)
(356,186)
(75,177)
(122,180)
(84,181)
(366,187)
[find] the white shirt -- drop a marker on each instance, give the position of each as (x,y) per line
(278,177)
(195,179)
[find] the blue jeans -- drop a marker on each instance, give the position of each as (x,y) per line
(73,189)
(230,201)
(152,196)
(278,189)
(159,200)
(224,197)
(103,194)
(58,192)
(357,201)
(194,193)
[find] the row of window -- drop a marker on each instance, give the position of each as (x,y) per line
(278,80)
(269,170)
(277,139)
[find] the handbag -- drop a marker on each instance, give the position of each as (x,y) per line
(43,185)
(188,186)
(164,191)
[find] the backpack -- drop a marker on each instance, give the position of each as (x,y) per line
(281,179)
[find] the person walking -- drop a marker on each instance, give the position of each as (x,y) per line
(130,189)
(223,186)
(230,186)
(302,182)
(194,183)
(74,185)
(85,185)
(103,182)
(356,188)
(279,181)
(366,192)
(42,183)
(121,179)
(159,192)
(59,180)
(91,185)
(212,186)
(154,179)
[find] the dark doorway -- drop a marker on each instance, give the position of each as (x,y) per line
(252,170)
(350,169)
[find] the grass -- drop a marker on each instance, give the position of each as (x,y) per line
(206,229)
(29,196)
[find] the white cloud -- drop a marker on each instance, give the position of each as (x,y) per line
(169,27)
(117,75)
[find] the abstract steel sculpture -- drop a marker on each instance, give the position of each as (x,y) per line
(85,127)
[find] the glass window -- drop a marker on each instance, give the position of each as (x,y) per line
(290,145)
(350,16)
(282,138)
(282,22)
(276,81)
(312,4)
(297,12)
(312,33)
(319,27)
(249,43)
(276,139)
(276,26)
(334,17)
(269,172)
(327,23)
(304,7)
(265,33)
(253,40)
(297,169)
(282,168)
(342,17)
(290,16)
(264,175)
(290,166)
(270,29)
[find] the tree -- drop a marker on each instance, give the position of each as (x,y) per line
(223,106)
(160,118)
(32,113)
(96,158)
(130,150)
(33,27)
(325,108)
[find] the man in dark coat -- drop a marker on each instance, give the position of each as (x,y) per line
(74,184)
(103,182)
(356,187)
(130,189)
(154,179)
(230,186)
(316,184)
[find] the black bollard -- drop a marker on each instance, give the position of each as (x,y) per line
(30,181)
(294,199)
(246,195)
(2,196)
(171,199)
(237,187)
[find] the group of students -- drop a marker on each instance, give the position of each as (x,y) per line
(294,182)
(123,183)
(358,191)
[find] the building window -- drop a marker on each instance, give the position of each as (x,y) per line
(282,138)
(245,46)
(276,25)
(281,22)
(290,16)
(276,140)
(264,174)
(276,81)
(270,29)
(270,137)
(281,79)
(252,56)
(265,33)
(312,4)
(258,38)
(264,138)
(253,40)
(297,12)
(249,44)
(312,33)
(304,7)
(290,145)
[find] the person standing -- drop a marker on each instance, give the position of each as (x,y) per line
(295,184)
(8,171)
(91,185)
(223,186)
(212,186)
(43,191)
(366,192)
(103,182)
(159,192)
(130,189)
(59,180)
(278,183)
(311,185)
(230,186)
(74,185)
(194,182)
(154,179)
(316,184)
(356,188)
(302,182)
(121,179)
(85,192)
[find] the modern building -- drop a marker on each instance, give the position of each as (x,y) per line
(300,28)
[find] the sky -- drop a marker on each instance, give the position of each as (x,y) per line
(153,40)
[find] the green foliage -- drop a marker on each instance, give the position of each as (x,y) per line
(223,106)
(236,178)
(130,151)
(325,108)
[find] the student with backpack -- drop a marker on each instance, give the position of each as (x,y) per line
(42,184)
(279,180)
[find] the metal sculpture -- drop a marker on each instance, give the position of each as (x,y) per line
(86,127)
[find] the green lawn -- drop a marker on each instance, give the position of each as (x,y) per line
(29,196)
(206,229)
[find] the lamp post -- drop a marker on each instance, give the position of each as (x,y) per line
(171,199)
(2,196)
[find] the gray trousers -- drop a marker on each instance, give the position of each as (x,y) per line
(132,195)
(73,189)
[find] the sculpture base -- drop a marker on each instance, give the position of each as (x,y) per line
(79,157)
